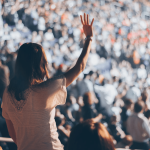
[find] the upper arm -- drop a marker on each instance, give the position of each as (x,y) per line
(10,126)
(71,75)
(4,105)
(11,129)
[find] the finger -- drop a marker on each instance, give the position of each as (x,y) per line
(81,20)
(87,19)
(92,21)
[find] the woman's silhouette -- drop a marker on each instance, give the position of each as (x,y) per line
(29,102)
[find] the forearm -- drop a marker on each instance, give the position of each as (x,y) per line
(80,64)
(82,60)
(121,132)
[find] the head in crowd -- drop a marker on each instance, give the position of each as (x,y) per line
(128,103)
(144,96)
(88,98)
(90,135)
(30,68)
(86,76)
(114,78)
(103,82)
(120,81)
(31,63)
(139,106)
(114,119)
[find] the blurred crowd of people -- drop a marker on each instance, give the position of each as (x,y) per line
(116,82)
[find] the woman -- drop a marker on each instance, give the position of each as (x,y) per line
(29,101)
(90,135)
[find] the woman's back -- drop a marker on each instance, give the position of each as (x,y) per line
(33,118)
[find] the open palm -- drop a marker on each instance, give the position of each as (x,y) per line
(87,28)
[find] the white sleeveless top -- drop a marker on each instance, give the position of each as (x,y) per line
(33,118)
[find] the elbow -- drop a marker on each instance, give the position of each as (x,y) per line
(82,66)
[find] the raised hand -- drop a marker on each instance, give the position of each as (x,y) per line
(87,28)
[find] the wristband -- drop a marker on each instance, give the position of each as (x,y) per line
(88,38)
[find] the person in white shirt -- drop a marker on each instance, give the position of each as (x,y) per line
(107,94)
(133,93)
(141,72)
(138,127)
(19,25)
(85,85)
(49,35)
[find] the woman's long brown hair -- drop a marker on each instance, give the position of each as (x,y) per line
(90,135)
(30,69)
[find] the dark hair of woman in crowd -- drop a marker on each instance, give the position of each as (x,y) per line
(90,135)
(30,69)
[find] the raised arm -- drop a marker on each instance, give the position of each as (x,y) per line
(72,74)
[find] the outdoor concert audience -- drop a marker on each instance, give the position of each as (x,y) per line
(117,75)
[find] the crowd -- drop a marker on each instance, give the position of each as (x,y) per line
(114,89)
